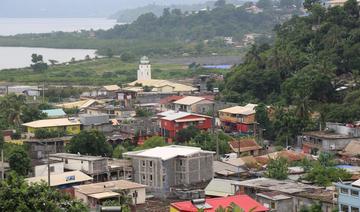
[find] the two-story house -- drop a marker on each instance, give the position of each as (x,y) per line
(238,118)
(96,167)
(334,138)
(163,168)
(70,126)
(348,196)
(194,104)
(172,122)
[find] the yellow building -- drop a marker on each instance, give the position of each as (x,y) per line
(69,126)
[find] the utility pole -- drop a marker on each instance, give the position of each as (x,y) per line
(213,132)
(2,165)
(48,162)
(43,93)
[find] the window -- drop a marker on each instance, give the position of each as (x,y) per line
(150,163)
(272,205)
(344,208)
(66,161)
(344,190)
(52,168)
(143,177)
(151,177)
(354,209)
(143,163)
(82,162)
(354,193)
(164,178)
(180,162)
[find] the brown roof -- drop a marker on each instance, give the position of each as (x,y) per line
(245,145)
(352,149)
(170,99)
(107,186)
(287,154)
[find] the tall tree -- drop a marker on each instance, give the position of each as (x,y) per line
(19,162)
(90,143)
(277,169)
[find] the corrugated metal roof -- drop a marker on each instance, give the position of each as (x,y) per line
(220,188)
(189,100)
(86,119)
(243,110)
(54,112)
(52,123)
(61,179)
(104,195)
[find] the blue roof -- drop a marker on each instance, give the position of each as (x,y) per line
(54,112)
(217,66)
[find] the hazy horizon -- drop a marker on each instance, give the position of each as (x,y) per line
(75,8)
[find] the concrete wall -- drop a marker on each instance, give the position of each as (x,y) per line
(172,172)
(42,170)
(339,144)
(280,205)
(344,130)
(348,199)
(90,167)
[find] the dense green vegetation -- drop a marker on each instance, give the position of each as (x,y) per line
(301,73)
(172,34)
(90,143)
(15,110)
(18,195)
(102,71)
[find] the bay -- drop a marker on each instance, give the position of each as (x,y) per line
(20,57)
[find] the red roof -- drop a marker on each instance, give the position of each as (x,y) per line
(243,201)
(245,145)
(170,99)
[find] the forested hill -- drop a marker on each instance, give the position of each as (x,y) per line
(314,65)
(224,20)
(130,15)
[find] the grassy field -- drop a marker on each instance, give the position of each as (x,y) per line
(96,72)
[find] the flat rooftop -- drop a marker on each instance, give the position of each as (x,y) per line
(326,135)
(285,186)
(77,157)
(167,152)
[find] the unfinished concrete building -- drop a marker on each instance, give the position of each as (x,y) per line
(164,168)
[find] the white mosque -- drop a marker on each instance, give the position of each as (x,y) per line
(144,71)
(162,86)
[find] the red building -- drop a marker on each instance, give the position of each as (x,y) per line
(211,204)
(172,122)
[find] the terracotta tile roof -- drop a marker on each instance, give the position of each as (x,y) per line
(245,145)
(170,99)
(243,201)
(287,154)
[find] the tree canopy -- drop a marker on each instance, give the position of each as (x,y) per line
(18,195)
(90,143)
(19,162)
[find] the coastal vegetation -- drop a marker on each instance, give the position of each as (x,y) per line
(98,72)
(310,74)
(173,33)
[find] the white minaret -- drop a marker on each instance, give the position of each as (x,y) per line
(144,72)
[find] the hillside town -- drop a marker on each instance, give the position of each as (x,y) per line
(220,106)
(179,148)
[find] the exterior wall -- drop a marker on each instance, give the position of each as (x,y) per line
(166,89)
(347,198)
(141,198)
(339,144)
(70,130)
(42,170)
(280,205)
(172,127)
(102,128)
(89,167)
(172,172)
(144,72)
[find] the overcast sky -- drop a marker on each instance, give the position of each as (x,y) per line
(75,8)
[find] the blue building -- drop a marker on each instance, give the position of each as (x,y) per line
(349,196)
